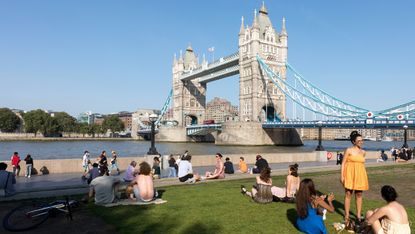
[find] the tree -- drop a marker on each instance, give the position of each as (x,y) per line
(35,121)
(51,127)
(66,122)
(113,123)
(82,128)
(9,122)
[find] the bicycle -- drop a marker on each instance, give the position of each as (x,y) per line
(31,215)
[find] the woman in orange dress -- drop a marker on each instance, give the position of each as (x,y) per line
(353,175)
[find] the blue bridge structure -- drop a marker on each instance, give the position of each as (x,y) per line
(269,85)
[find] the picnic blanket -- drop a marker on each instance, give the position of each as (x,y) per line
(126,202)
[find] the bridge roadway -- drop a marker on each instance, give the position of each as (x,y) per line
(221,68)
(204,129)
(368,123)
(55,185)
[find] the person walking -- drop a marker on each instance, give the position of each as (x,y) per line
(114,163)
(29,165)
(354,177)
(103,163)
(15,163)
(86,161)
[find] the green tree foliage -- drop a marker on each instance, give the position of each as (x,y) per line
(9,121)
(82,128)
(35,121)
(66,122)
(113,123)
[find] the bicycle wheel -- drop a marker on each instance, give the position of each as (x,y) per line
(26,217)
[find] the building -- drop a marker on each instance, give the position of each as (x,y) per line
(140,120)
(127,118)
(86,117)
(221,110)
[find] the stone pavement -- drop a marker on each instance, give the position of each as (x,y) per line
(71,184)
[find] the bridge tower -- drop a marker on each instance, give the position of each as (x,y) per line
(189,97)
(259,99)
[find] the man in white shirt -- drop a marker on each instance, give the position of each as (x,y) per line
(86,161)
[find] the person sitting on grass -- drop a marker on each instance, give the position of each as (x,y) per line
(156,168)
(129,173)
(292,184)
(103,187)
(143,184)
(93,173)
(307,203)
(391,218)
(260,164)
(261,191)
(243,168)
(219,172)
(185,173)
(228,166)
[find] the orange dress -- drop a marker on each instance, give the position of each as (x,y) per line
(355,176)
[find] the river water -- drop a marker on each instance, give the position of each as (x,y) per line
(75,149)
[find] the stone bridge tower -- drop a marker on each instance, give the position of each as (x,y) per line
(259,98)
(189,97)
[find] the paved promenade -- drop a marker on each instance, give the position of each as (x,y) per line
(71,184)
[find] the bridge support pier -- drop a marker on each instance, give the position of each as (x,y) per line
(252,133)
(320,136)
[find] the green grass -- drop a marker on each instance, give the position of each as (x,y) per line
(219,207)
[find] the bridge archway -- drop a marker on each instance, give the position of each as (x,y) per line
(191,120)
(269,114)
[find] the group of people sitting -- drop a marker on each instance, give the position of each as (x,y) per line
(264,192)
(402,155)
(104,187)
(312,207)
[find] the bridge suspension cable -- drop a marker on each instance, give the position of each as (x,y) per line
(323,96)
(309,102)
(165,107)
(407,109)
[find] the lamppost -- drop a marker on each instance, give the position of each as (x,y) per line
(153,118)
(405,136)
(320,131)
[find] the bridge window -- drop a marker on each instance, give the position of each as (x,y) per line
(187,104)
(192,102)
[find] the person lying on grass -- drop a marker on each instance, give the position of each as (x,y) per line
(391,218)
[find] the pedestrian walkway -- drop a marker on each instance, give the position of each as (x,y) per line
(71,184)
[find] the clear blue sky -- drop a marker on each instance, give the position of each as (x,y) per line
(109,56)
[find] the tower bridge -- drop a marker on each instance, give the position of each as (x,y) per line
(261,62)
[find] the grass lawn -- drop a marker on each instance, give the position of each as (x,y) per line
(219,207)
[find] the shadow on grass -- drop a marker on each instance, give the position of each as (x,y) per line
(292,217)
(201,228)
(144,219)
(338,207)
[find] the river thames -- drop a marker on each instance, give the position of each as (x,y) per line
(75,149)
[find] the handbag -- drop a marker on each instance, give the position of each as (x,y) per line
(3,190)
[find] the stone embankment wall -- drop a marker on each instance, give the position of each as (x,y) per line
(75,165)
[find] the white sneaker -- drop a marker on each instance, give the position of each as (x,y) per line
(28,176)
